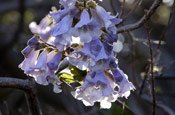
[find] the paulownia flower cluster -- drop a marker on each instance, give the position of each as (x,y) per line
(82,33)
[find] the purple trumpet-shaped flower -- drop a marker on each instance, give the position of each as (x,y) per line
(68,10)
(111,37)
(121,79)
(94,49)
(38,71)
(43,29)
(88,55)
(96,88)
(62,41)
(104,18)
(26,51)
(65,24)
(53,61)
(33,43)
(86,29)
(108,49)
(45,68)
(113,63)
(59,15)
(30,59)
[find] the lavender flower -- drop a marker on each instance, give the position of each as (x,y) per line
(43,29)
(30,59)
(63,26)
(59,15)
(104,18)
(33,43)
(95,50)
(99,87)
(68,9)
(45,68)
(86,29)
(65,23)
(95,88)
(38,71)
(53,61)
(61,30)
(121,79)
(62,41)
(88,55)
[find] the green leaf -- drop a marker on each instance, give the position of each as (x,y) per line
(66,77)
(78,75)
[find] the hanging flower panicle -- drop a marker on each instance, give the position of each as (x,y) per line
(82,33)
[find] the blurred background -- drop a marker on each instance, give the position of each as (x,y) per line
(134,59)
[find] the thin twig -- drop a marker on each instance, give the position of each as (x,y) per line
(140,23)
(130,12)
(26,85)
(145,77)
(143,84)
(6,82)
(123,9)
(151,73)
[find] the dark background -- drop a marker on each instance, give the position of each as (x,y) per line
(16,15)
